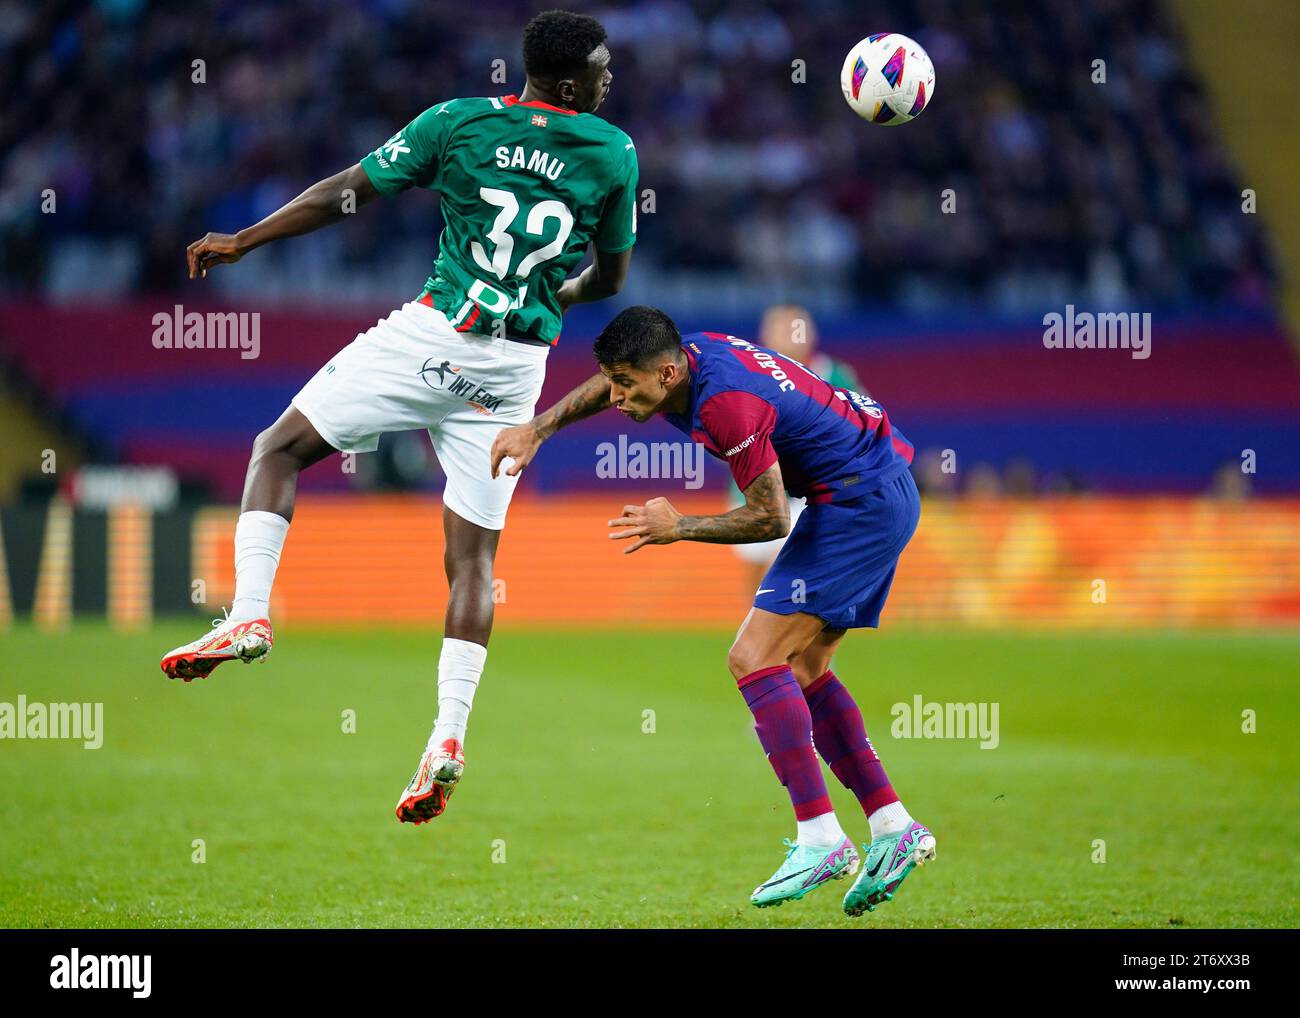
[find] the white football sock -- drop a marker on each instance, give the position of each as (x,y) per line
(819,832)
(889,820)
(259,537)
(459,667)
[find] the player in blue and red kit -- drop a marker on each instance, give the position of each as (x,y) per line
(780,427)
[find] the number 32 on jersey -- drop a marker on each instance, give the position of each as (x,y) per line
(490,298)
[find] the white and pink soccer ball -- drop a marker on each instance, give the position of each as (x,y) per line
(887,79)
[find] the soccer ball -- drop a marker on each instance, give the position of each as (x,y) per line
(887,79)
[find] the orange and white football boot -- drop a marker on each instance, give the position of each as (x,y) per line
(247,640)
(434,781)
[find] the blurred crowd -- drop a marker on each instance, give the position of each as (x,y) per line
(1064,188)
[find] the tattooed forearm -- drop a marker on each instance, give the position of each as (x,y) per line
(590,397)
(765,516)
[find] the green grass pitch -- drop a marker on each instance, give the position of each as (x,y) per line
(571,815)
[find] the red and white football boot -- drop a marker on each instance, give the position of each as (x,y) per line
(434,781)
(247,640)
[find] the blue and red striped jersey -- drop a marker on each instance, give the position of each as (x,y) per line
(753,407)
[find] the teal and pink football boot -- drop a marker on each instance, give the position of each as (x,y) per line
(890,858)
(805,870)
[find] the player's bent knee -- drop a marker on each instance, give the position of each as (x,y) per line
(292,441)
(263,447)
(745,659)
(277,438)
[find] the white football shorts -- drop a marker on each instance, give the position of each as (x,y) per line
(414,370)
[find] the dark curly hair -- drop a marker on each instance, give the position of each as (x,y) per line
(637,336)
(557,44)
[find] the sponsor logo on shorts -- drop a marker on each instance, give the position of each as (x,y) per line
(435,377)
(443,375)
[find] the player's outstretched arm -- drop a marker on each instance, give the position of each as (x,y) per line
(521,442)
(603,278)
(765,516)
(325,202)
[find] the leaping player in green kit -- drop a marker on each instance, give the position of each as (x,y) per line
(528,183)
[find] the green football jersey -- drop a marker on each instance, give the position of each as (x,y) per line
(526,187)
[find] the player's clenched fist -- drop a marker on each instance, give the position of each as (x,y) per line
(652,523)
(213,249)
(519,443)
